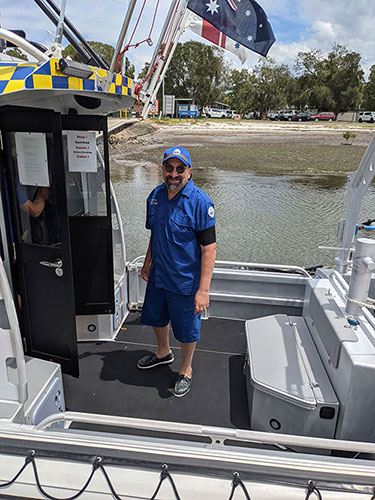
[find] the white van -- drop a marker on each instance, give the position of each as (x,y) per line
(215,113)
(366,116)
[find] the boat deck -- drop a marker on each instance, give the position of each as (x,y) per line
(110,383)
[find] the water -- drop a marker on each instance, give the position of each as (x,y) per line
(268,219)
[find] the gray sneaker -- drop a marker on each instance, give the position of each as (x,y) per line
(151,360)
(182,386)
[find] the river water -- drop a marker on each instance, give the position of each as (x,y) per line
(268,219)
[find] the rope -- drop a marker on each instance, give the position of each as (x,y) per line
(28,459)
(148,39)
(76,495)
(311,488)
(370,304)
(238,482)
(164,475)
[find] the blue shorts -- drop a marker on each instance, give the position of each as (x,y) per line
(161,307)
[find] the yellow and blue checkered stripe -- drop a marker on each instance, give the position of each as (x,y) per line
(13,76)
(28,76)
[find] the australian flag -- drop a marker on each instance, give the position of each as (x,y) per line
(242,20)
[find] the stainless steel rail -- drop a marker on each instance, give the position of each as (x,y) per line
(244,266)
(224,264)
(215,433)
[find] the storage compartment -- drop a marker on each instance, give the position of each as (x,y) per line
(288,389)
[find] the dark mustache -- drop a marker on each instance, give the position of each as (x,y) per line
(170,178)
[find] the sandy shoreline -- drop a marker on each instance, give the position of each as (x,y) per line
(264,147)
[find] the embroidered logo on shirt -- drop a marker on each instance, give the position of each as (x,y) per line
(211,211)
(154,201)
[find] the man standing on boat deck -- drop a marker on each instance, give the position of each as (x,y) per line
(179,263)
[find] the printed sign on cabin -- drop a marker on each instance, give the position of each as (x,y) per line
(82,151)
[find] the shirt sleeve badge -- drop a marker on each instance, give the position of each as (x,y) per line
(211,211)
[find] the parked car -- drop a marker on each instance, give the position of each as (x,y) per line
(301,116)
(274,115)
(287,115)
(324,115)
(366,116)
(215,112)
(256,115)
(230,113)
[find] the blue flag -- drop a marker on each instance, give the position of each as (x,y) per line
(242,20)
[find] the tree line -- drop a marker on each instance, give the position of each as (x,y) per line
(334,82)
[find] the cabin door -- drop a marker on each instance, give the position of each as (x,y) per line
(38,229)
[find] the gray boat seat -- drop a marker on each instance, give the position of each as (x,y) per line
(288,388)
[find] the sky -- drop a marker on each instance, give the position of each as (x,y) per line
(299,25)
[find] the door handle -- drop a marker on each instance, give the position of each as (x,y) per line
(57,264)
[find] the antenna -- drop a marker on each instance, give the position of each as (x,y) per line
(60,26)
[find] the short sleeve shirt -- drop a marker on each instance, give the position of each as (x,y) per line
(176,252)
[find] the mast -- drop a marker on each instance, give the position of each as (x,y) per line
(60,26)
(175,24)
(122,34)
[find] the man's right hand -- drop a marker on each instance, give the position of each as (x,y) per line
(145,271)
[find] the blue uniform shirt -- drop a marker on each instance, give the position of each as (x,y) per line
(176,252)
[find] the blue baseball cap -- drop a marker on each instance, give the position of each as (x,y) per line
(178,152)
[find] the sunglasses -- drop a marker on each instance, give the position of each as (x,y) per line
(180,169)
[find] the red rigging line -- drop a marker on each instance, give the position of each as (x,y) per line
(148,39)
(138,87)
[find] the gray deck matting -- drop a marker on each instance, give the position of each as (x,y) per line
(110,383)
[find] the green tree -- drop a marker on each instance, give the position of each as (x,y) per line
(143,71)
(16,52)
(331,83)
(274,86)
(129,69)
(104,50)
(196,70)
(241,94)
(369,91)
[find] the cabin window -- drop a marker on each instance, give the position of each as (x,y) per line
(85,179)
(32,154)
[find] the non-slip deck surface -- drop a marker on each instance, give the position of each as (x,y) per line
(110,382)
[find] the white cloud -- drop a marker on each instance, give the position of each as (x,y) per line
(347,22)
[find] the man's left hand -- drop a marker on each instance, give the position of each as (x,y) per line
(201,301)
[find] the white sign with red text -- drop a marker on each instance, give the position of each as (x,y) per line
(82,151)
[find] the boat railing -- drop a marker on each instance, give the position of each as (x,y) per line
(217,435)
(14,335)
(250,266)
(238,287)
(19,42)
(240,266)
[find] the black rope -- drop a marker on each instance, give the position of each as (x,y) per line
(164,474)
(28,459)
(105,474)
(311,488)
(237,481)
(95,467)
